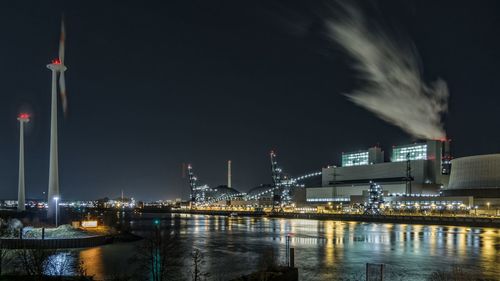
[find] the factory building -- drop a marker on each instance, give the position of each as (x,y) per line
(373,155)
(415,169)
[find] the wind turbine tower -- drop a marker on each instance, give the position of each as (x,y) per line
(57,67)
(23,118)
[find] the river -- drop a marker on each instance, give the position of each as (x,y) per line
(325,250)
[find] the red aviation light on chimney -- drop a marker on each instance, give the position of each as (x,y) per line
(442,139)
(56,61)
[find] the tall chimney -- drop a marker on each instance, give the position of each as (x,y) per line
(229,173)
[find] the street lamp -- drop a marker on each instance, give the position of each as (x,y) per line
(56,198)
(488,204)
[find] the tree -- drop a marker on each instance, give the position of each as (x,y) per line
(5,257)
(159,254)
(34,262)
(38,263)
(198,261)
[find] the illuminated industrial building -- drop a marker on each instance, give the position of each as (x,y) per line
(411,151)
(415,169)
(371,156)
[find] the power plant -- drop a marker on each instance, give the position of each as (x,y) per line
(421,174)
(413,169)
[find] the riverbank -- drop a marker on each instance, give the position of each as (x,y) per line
(61,243)
(400,219)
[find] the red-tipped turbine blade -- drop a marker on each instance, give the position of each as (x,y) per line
(61,42)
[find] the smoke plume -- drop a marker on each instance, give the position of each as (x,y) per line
(393,87)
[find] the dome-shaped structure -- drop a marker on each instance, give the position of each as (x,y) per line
(224,190)
(221,192)
(477,176)
(261,190)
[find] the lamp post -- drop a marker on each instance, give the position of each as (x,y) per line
(488,204)
(56,198)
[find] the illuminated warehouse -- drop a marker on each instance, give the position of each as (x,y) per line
(418,169)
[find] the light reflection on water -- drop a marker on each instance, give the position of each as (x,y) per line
(93,261)
(325,250)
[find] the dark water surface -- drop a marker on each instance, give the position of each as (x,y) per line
(325,250)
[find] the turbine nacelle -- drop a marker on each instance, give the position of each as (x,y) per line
(57,66)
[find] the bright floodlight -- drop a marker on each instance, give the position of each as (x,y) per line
(56,198)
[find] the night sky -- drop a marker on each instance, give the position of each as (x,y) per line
(154,84)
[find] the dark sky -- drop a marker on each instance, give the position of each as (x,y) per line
(153,84)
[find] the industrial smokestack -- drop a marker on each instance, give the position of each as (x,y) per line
(445,157)
(229,173)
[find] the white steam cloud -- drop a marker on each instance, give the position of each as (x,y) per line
(394,89)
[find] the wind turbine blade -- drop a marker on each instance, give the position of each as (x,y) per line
(62,88)
(61,42)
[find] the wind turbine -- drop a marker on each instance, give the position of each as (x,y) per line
(23,118)
(57,67)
